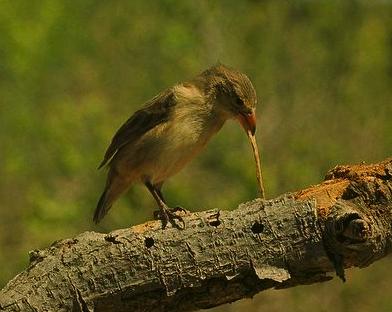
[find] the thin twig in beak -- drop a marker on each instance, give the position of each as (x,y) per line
(252,139)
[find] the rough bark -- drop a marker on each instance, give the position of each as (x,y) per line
(221,256)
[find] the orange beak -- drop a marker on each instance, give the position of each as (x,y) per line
(248,122)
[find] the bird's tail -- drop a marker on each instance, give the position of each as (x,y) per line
(115,186)
(103,207)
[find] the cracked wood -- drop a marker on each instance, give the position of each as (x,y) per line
(221,256)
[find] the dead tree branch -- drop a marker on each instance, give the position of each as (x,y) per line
(221,256)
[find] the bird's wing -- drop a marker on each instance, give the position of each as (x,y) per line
(154,112)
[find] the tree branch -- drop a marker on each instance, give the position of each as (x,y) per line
(221,256)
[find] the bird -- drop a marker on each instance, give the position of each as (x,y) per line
(159,139)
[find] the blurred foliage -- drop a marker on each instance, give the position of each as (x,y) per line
(72,71)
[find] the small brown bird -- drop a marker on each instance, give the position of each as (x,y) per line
(158,140)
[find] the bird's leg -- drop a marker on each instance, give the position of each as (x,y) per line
(176,208)
(158,188)
(165,213)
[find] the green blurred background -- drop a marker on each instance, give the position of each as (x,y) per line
(72,71)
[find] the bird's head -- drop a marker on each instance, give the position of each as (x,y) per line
(235,95)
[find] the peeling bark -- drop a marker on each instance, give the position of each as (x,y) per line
(221,256)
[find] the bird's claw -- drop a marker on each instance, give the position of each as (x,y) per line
(167,215)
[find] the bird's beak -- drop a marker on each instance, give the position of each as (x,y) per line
(248,121)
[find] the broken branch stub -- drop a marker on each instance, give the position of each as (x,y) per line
(357,227)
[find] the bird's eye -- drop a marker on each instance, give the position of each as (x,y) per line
(239,101)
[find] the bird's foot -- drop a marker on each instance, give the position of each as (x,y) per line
(175,210)
(167,215)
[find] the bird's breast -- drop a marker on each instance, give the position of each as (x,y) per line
(166,149)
